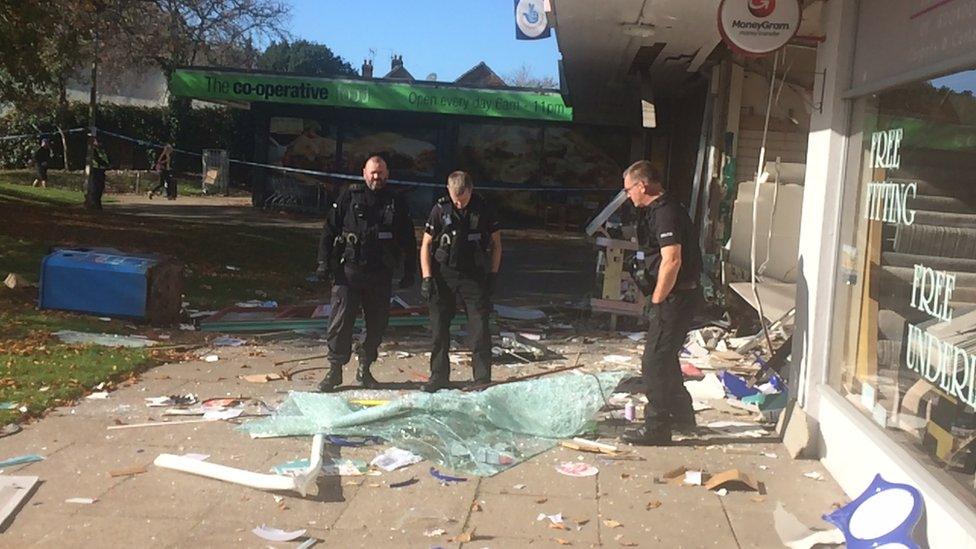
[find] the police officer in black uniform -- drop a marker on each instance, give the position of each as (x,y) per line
(367,236)
(669,268)
(460,254)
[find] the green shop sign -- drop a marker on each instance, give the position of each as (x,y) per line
(297,90)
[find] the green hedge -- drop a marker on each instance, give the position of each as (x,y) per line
(204,128)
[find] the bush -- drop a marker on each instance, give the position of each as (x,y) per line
(203,128)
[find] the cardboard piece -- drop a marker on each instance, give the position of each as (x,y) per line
(262,378)
(128,471)
(798,433)
(733,479)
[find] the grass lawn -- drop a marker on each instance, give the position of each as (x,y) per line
(37,371)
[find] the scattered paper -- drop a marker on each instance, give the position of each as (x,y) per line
(274,534)
(618,359)
(553,519)
(796,535)
(198,457)
(216,415)
(436,532)
(722,492)
(693,478)
(100,395)
(612,524)
(211,358)
(815,475)
(577,469)
(83,501)
(708,388)
(395,458)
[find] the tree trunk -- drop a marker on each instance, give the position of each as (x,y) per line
(62,121)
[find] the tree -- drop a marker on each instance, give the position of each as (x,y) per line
(304,57)
(45,44)
(186,32)
(524,78)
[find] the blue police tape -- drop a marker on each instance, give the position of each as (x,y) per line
(39,134)
(349,177)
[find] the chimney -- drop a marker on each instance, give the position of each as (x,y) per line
(395,62)
(367,70)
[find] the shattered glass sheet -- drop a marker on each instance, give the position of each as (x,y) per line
(479,433)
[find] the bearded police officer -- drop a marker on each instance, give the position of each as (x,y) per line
(672,263)
(460,253)
(367,236)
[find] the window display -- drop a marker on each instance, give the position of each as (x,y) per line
(910,273)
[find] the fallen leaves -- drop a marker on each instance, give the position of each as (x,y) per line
(611,523)
(654,504)
(562,541)
(463,537)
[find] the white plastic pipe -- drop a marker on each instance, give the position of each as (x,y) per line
(262,481)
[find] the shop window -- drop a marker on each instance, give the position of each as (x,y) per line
(302,143)
(909,266)
(410,152)
(500,153)
(584,157)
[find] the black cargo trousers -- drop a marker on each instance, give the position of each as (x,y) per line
(668,402)
(449,285)
(355,288)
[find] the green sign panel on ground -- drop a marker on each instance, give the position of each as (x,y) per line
(297,90)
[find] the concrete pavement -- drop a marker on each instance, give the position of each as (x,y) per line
(163,508)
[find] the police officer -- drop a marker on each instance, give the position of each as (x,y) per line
(367,236)
(460,254)
(672,263)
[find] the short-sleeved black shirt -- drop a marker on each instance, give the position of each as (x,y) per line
(487,223)
(664,223)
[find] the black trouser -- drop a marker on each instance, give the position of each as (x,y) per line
(353,289)
(449,285)
(669,322)
(166,181)
(93,198)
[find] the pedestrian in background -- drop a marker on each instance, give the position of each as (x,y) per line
(41,158)
(164,165)
(96,181)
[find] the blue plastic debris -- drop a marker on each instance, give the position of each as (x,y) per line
(735,385)
(20,460)
(892,522)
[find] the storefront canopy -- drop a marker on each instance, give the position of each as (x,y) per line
(231,86)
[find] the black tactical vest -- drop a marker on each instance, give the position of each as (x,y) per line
(461,245)
(368,236)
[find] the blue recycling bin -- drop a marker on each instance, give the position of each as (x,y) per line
(107,282)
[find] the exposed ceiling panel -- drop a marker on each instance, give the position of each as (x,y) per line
(609,46)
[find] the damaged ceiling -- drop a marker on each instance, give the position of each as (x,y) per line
(608,46)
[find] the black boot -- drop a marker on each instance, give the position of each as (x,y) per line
(332,380)
(364,377)
(648,436)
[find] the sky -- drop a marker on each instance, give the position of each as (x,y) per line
(444,37)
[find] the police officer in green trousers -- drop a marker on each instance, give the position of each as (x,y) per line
(367,235)
(668,274)
(460,254)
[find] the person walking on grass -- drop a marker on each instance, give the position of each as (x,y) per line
(41,158)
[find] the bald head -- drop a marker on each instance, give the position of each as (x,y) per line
(375,173)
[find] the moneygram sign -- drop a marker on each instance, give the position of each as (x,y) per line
(758,27)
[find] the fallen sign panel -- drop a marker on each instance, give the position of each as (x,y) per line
(14,491)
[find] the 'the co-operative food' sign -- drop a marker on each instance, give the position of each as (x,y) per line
(208,84)
(758,27)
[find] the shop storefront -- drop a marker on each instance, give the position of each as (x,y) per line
(506,138)
(887,333)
